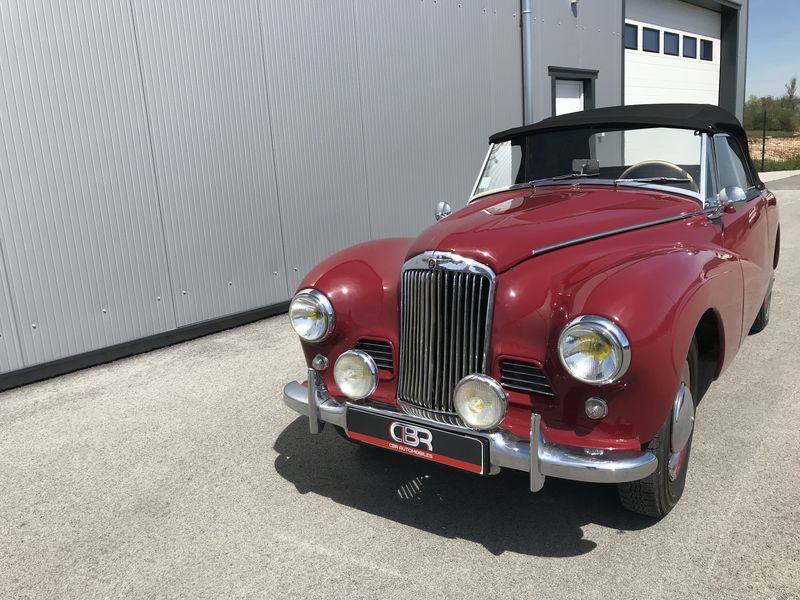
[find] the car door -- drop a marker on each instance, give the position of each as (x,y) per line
(745,230)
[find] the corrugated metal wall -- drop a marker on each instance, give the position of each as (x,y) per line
(166,163)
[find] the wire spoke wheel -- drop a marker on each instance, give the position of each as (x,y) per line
(659,492)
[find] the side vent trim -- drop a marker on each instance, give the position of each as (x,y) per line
(524,377)
(380,351)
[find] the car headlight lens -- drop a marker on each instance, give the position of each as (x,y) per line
(594,350)
(356,374)
(311,315)
(480,401)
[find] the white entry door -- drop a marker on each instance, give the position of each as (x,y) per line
(569,96)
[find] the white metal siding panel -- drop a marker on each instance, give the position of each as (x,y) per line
(433,91)
(207,100)
(78,206)
(674,14)
(658,77)
(316,114)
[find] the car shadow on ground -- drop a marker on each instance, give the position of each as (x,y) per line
(497,512)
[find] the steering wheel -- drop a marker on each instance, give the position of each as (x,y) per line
(658,168)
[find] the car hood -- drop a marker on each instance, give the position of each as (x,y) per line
(506,228)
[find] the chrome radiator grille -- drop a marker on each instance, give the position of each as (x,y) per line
(444,332)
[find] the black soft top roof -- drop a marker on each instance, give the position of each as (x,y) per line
(703,117)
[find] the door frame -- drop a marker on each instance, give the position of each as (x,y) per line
(586,76)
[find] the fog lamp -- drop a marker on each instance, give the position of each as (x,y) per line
(480,401)
(356,374)
(596,408)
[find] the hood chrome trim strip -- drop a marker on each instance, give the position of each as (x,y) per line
(610,232)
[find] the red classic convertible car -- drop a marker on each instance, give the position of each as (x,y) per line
(567,320)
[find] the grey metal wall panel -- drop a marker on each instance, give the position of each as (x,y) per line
(506,65)
(165,163)
(315,104)
(78,207)
(586,35)
(206,94)
(437,79)
(10,352)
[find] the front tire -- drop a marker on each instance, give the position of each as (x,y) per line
(762,318)
(658,493)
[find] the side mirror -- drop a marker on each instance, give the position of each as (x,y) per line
(443,210)
(730,195)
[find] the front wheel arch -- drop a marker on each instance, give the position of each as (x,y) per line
(708,334)
(777,255)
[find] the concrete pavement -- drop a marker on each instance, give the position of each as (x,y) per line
(180,474)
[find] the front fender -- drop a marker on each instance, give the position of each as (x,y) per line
(362,284)
(656,292)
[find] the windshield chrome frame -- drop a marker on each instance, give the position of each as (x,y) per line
(700,195)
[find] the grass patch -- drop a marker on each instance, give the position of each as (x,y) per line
(756,135)
(790,164)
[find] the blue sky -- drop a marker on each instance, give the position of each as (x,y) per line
(773,46)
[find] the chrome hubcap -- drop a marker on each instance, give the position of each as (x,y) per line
(682,425)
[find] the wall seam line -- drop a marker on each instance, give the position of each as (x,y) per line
(272,145)
(361,118)
(14,312)
(159,203)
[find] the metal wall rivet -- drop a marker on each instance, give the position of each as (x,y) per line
(104,311)
(158,299)
(294,269)
(230,283)
(275,273)
(184,292)
(33,325)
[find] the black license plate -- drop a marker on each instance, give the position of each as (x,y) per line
(437,445)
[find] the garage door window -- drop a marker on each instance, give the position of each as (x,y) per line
(706,50)
(632,37)
(671,43)
(651,40)
(689,47)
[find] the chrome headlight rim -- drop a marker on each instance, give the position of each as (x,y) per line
(610,330)
(325,306)
(373,370)
(495,387)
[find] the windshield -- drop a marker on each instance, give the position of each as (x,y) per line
(655,156)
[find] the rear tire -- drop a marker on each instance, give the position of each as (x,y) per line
(762,318)
(658,493)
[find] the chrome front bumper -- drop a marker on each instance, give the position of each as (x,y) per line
(536,455)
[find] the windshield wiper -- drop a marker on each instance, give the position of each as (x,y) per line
(654,180)
(535,182)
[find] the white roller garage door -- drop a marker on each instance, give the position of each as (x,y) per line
(676,53)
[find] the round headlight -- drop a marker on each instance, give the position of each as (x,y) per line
(356,374)
(311,315)
(480,401)
(594,350)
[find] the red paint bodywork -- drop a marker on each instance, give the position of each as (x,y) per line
(656,283)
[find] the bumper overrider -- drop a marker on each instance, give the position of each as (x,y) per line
(536,455)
